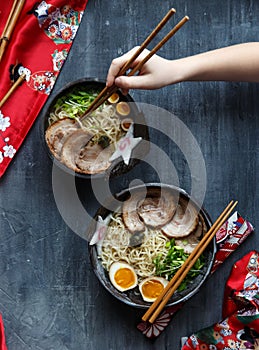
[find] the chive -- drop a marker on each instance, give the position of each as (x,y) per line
(174,259)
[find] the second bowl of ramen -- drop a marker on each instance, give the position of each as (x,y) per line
(110,141)
(140,238)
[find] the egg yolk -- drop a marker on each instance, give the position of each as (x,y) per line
(152,289)
(124,278)
(123,108)
(114,98)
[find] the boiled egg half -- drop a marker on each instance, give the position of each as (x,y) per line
(114,98)
(123,276)
(123,108)
(151,287)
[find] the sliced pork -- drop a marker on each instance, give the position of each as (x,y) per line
(130,215)
(93,159)
(158,208)
(183,222)
(201,228)
(190,242)
(57,133)
(154,210)
(73,146)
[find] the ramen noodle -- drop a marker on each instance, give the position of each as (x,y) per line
(115,247)
(102,122)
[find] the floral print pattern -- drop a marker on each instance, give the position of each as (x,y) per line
(47,28)
(4,122)
(155,329)
(240,329)
(58,59)
(8,151)
(59,24)
(42,82)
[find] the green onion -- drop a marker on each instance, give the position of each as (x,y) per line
(175,258)
(75,102)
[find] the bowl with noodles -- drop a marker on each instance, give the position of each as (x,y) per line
(141,237)
(108,142)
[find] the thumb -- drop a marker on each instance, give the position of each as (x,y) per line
(133,82)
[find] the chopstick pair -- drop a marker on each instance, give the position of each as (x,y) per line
(108,91)
(10,24)
(5,38)
(159,304)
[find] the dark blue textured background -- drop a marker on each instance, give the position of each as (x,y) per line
(49,296)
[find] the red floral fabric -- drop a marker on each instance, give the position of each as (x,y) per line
(2,336)
(39,46)
(240,326)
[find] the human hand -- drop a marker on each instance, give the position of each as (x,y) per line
(231,63)
(154,74)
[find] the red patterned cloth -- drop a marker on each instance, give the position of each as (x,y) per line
(39,45)
(240,326)
(229,237)
(2,336)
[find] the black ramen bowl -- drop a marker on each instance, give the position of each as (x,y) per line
(140,129)
(133,297)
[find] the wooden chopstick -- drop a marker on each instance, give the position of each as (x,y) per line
(159,45)
(10,24)
(158,305)
(13,88)
(127,65)
(9,18)
(147,41)
(109,91)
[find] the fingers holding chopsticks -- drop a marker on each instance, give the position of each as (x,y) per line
(137,66)
(153,74)
(153,71)
(118,63)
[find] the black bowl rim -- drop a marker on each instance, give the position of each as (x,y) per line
(62,166)
(120,296)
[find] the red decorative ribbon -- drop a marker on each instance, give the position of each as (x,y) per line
(39,46)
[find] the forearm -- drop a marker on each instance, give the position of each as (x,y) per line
(232,63)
